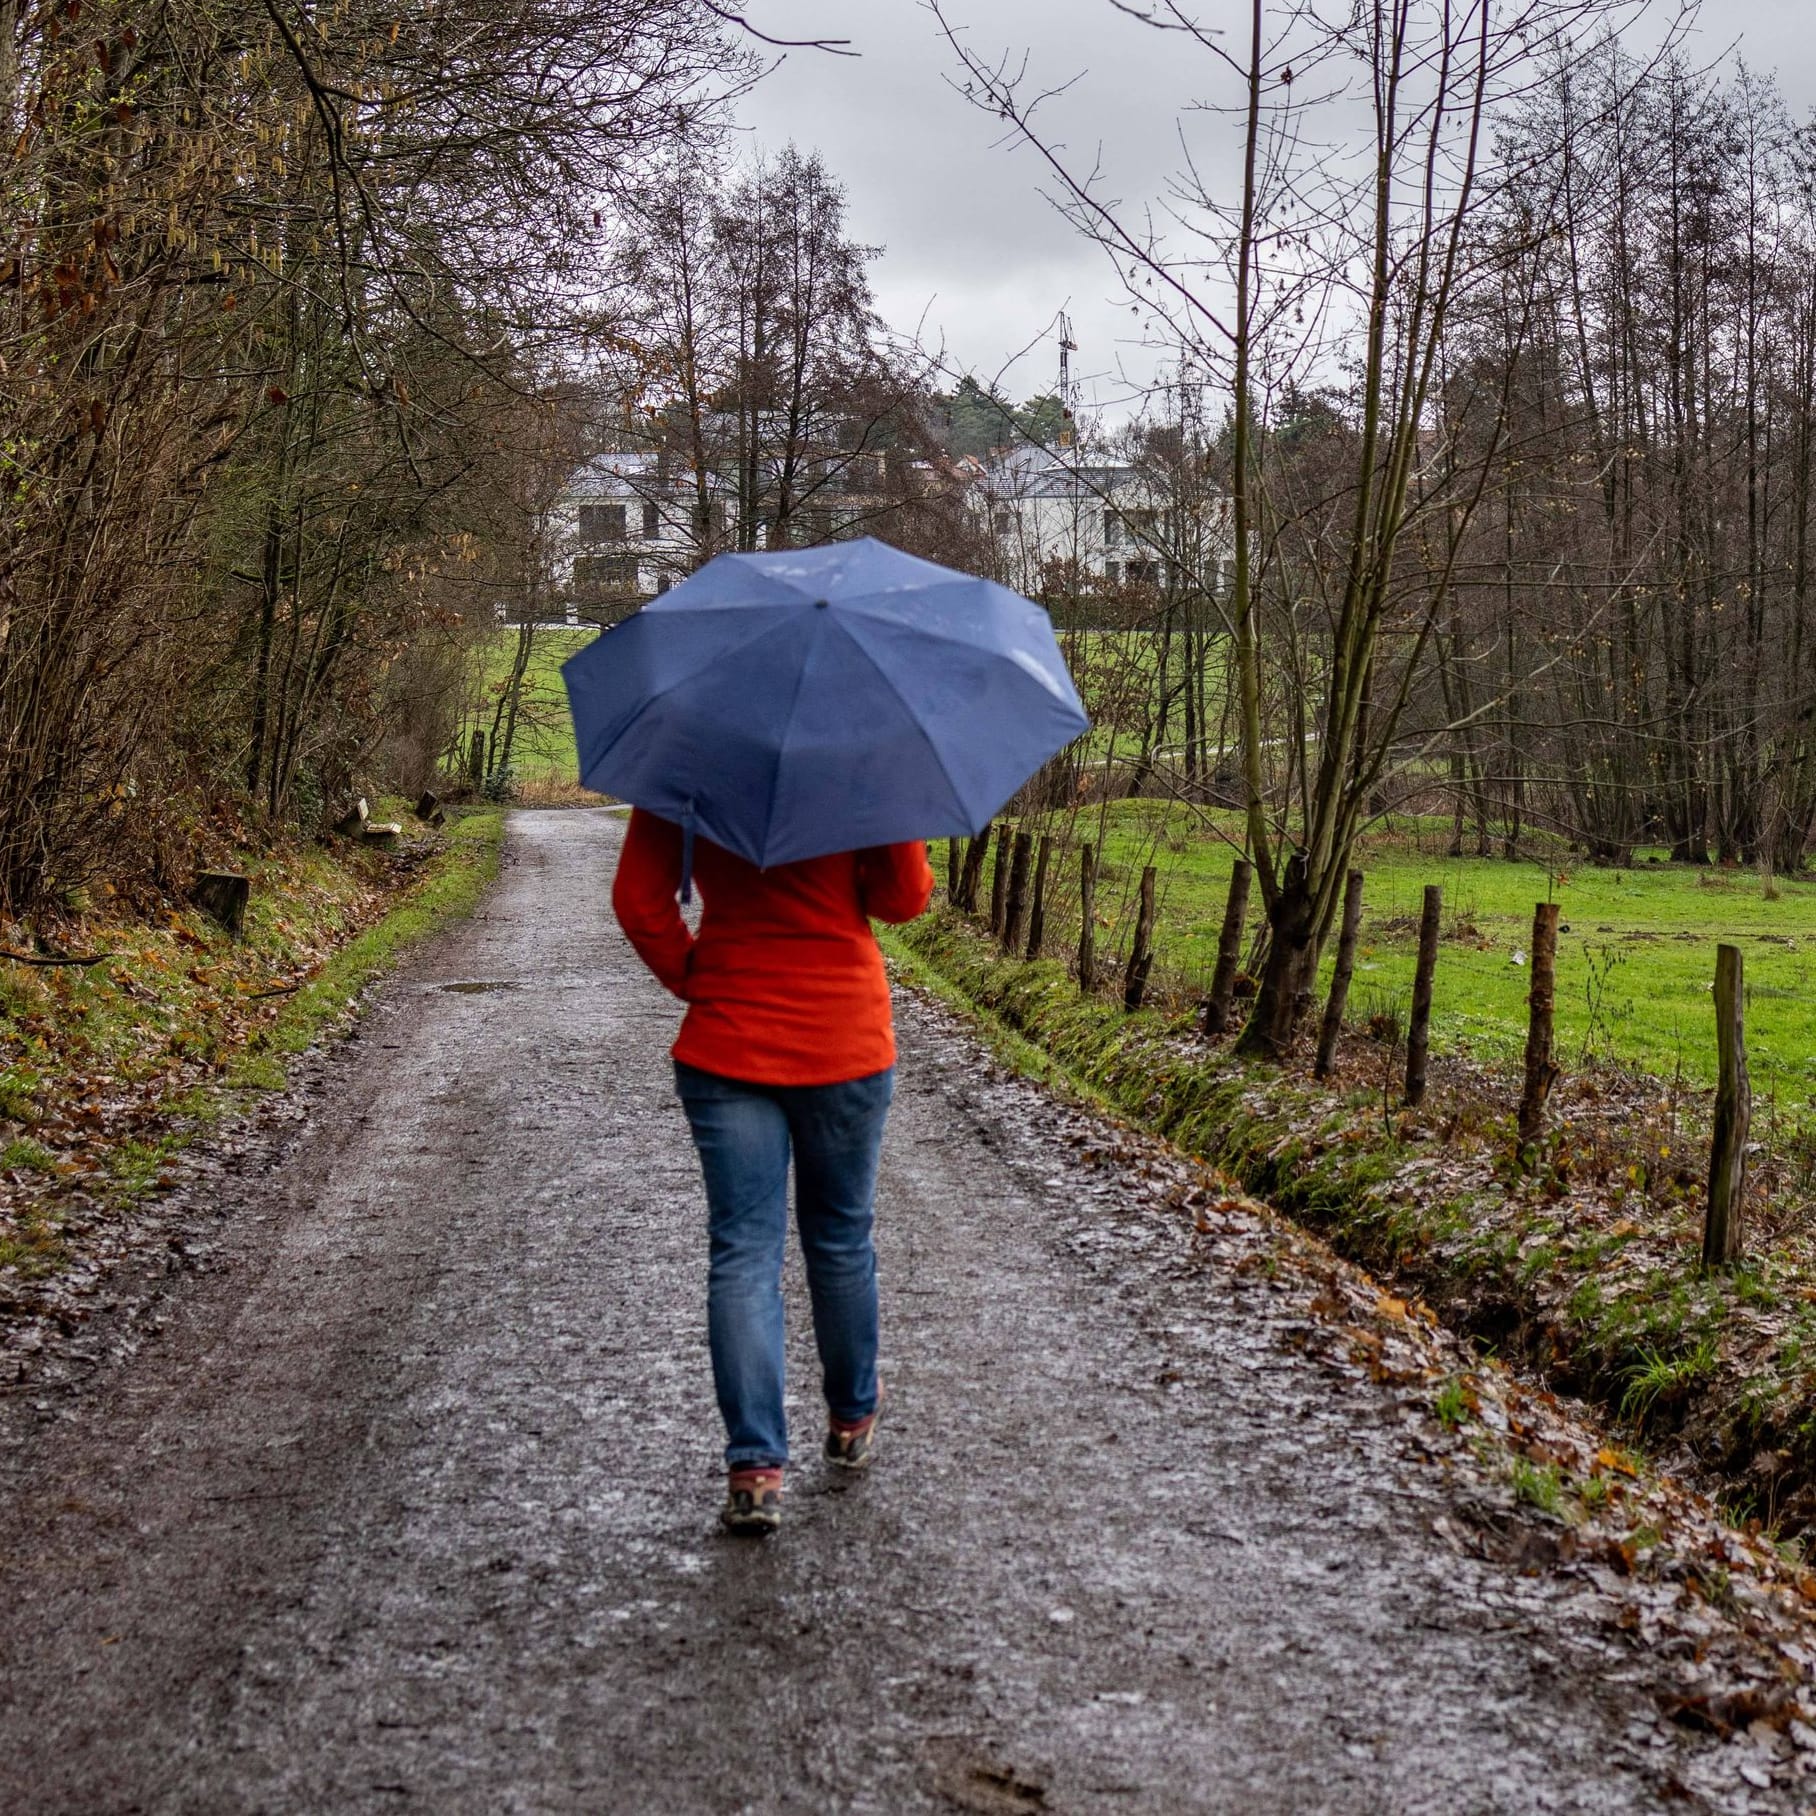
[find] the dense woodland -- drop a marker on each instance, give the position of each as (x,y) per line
(288,298)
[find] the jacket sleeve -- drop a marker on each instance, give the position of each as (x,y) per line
(644,896)
(895,882)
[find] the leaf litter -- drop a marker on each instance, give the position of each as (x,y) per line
(1640,1569)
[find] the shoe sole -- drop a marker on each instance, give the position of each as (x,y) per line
(751,1526)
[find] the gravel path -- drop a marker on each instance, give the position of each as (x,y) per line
(412,1504)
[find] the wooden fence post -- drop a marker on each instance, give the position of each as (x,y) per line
(1418,1030)
(1087,919)
(1733,1114)
(1015,911)
(1541,1074)
(1338,1000)
(1229,949)
(476,760)
(954,870)
(975,849)
(1141,954)
(1037,908)
(999,881)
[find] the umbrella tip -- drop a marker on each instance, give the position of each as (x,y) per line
(822,603)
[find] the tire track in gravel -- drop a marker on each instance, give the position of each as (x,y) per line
(412,1505)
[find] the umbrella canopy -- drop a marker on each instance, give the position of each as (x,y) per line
(827,699)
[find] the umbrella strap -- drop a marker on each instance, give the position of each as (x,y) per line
(687,854)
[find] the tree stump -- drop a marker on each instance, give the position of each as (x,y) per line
(1733,1115)
(1418,1029)
(222,895)
(1229,950)
(1338,1000)
(1541,1001)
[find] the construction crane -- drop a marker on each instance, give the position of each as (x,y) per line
(1067,347)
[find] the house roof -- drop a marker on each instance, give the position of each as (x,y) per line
(632,473)
(1033,472)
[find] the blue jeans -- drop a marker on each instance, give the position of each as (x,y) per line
(745,1134)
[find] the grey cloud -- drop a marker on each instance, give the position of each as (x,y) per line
(968,238)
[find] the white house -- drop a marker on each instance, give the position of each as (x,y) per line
(626,529)
(1103,520)
(627,526)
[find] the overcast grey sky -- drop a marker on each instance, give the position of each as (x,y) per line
(972,253)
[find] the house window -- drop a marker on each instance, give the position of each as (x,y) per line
(864,473)
(1005,523)
(609,573)
(1112,532)
(1112,571)
(1144,573)
(652,519)
(601,522)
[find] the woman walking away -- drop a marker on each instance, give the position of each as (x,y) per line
(786,1048)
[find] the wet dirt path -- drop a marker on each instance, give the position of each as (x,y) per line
(412,1505)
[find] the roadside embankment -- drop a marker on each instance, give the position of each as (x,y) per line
(1585,1265)
(111,1065)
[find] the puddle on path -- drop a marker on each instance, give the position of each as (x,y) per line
(477,987)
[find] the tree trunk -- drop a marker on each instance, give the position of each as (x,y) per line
(1338,999)
(999,882)
(1284,985)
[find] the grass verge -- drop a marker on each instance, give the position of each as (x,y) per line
(446,891)
(108,1071)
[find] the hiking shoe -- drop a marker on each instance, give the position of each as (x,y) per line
(753,1502)
(852,1446)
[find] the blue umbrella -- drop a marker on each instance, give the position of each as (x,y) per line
(827,699)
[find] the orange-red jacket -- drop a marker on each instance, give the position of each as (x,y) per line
(784,984)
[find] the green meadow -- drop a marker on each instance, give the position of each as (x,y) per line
(1635,965)
(543,749)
